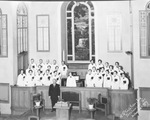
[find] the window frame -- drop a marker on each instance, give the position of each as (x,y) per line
(140,34)
(114,42)
(48,32)
(5,56)
(73,34)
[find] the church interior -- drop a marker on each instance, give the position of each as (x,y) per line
(78,33)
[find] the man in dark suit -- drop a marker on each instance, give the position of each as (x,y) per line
(54,93)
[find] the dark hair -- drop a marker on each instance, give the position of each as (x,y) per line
(99,60)
(111,66)
(117,63)
(21,70)
(30,70)
(115,71)
(47,70)
(107,71)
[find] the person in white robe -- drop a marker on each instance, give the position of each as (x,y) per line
(41,65)
(40,68)
(47,78)
(103,71)
(100,64)
(107,79)
(115,81)
(71,81)
(47,63)
(106,66)
(93,71)
(89,80)
(116,67)
(124,82)
(120,71)
(30,79)
(21,79)
(39,78)
(53,66)
(56,76)
(98,79)
(33,65)
(90,66)
(50,70)
(28,69)
(64,72)
(111,69)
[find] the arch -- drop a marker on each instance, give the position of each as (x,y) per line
(22,9)
(79,24)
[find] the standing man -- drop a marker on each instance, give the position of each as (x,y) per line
(54,93)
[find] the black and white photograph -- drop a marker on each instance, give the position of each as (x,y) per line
(75,60)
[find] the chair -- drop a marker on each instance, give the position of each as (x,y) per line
(102,104)
(73,97)
(37,99)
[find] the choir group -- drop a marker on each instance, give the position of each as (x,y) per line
(98,75)
(105,75)
(42,73)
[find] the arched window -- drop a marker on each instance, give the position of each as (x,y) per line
(145,32)
(3,35)
(80,31)
(22,36)
(22,28)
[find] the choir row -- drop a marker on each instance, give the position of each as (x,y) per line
(106,79)
(42,74)
(98,75)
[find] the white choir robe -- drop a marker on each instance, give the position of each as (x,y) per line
(106,68)
(30,80)
(38,80)
(111,72)
(107,81)
(43,68)
(94,73)
(98,80)
(27,71)
(115,82)
(90,66)
(47,64)
(124,82)
(89,80)
(21,80)
(64,71)
(58,73)
(33,67)
(103,73)
(120,72)
(47,80)
(71,81)
(57,77)
(116,69)
(99,66)
(53,67)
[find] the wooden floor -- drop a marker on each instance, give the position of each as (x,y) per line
(48,115)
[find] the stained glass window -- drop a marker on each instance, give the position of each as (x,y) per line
(22,28)
(43,33)
(3,35)
(80,31)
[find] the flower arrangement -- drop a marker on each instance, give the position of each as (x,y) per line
(91,101)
